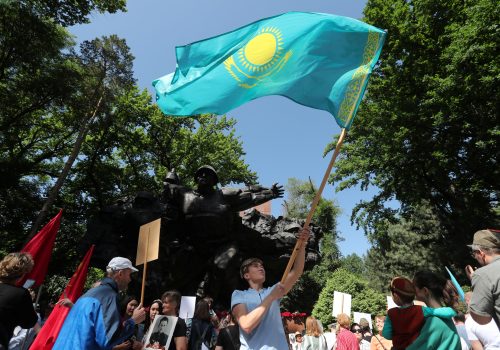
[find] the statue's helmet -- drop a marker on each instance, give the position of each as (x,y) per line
(172,177)
(210,169)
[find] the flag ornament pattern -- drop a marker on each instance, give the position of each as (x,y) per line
(318,60)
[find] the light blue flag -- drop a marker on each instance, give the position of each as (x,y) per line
(318,60)
(457,285)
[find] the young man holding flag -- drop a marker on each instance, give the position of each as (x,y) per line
(257,309)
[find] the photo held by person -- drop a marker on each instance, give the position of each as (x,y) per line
(159,338)
(156,308)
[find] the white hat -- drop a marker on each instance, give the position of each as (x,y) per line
(120,263)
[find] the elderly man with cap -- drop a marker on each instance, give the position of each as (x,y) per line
(94,321)
(485,303)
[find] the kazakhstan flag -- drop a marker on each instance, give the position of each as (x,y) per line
(318,60)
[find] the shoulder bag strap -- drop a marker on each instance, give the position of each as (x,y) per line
(379,341)
(231,339)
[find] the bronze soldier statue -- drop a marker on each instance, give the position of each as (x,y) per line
(203,239)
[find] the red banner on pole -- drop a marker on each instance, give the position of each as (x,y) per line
(40,247)
(48,334)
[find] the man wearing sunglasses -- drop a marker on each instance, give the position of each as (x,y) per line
(485,302)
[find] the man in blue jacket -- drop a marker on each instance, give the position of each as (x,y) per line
(94,322)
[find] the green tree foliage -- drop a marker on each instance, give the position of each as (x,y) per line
(107,64)
(412,245)
(59,102)
(354,264)
(428,128)
(37,76)
(300,195)
(68,13)
(364,298)
(55,285)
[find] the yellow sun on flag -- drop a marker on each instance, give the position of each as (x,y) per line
(260,58)
(262,51)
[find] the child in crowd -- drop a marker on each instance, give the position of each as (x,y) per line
(403,323)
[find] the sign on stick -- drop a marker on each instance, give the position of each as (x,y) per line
(149,242)
(341,303)
(187,307)
(359,315)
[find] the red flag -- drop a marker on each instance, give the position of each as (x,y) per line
(48,334)
(40,248)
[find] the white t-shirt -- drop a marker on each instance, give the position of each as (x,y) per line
(487,334)
(330,339)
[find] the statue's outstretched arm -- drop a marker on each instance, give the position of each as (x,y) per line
(251,196)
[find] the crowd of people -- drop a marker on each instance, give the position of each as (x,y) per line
(426,316)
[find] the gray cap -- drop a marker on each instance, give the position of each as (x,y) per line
(486,238)
(120,263)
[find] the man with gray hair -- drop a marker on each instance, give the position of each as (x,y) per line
(485,303)
(94,322)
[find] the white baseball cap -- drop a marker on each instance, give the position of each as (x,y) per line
(120,263)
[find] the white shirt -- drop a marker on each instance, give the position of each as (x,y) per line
(330,339)
(487,334)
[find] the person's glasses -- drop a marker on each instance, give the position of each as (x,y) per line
(474,252)
(356,330)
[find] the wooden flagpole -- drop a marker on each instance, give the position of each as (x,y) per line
(145,268)
(315,202)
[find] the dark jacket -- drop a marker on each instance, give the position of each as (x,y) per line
(16,309)
(201,332)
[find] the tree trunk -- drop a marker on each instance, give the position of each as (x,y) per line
(54,191)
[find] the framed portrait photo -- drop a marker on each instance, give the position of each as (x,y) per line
(160,333)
